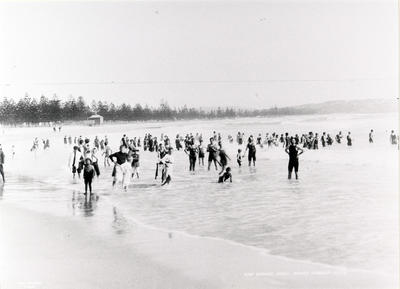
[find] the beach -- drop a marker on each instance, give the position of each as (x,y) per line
(44,251)
(335,227)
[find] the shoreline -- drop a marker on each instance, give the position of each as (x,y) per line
(83,123)
(173,259)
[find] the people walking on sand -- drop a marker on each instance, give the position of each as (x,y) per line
(2,158)
(293,151)
(88,175)
(76,162)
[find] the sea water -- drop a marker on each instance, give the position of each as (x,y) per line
(342,211)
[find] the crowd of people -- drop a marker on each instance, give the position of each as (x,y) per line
(86,154)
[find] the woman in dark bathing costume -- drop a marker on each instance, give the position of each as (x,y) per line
(293,151)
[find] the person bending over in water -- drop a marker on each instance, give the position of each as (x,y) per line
(225,176)
(223,159)
(293,151)
(88,175)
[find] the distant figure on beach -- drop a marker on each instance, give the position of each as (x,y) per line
(13,151)
(2,157)
(393,138)
(293,151)
(225,176)
(339,137)
(371,136)
(77,162)
(239,157)
(88,175)
(349,140)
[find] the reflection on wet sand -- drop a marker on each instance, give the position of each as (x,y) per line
(119,223)
(85,203)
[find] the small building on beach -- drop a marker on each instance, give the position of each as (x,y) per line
(95,119)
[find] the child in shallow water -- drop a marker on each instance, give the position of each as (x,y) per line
(225,176)
(88,175)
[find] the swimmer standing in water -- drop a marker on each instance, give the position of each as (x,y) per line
(167,162)
(88,175)
(293,151)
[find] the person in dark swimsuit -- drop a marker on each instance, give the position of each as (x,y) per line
(88,175)
(191,151)
(371,136)
(293,151)
(225,176)
(212,154)
(118,159)
(252,152)
(349,140)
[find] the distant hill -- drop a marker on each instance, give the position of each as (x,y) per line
(349,106)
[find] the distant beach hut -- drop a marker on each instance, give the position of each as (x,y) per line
(95,119)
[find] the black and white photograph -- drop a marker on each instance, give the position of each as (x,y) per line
(217,144)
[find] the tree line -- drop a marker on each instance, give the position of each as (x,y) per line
(29,110)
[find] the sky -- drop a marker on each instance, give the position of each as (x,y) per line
(210,53)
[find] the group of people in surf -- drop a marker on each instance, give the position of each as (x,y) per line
(35,145)
(85,157)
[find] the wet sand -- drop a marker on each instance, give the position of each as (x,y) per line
(45,251)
